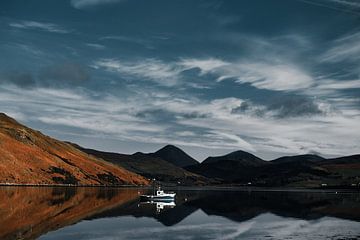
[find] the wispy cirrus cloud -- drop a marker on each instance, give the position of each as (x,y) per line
(262,75)
(95,46)
(205,65)
(83,4)
(350,3)
(343,49)
(155,70)
(33,25)
(339,84)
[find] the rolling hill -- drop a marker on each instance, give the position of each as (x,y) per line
(241,157)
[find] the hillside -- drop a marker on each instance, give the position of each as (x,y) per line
(29,157)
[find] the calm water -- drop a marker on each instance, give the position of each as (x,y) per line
(96,213)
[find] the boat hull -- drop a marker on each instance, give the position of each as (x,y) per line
(157,198)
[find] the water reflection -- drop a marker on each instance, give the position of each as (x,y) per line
(28,213)
(160,205)
(98,213)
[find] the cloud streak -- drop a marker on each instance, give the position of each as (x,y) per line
(349,3)
(344,49)
(279,77)
(83,4)
(149,69)
(33,25)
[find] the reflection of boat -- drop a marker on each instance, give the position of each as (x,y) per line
(160,204)
(159,196)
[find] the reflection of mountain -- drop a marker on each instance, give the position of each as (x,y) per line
(27,213)
(242,206)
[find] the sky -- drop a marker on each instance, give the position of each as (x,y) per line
(272,78)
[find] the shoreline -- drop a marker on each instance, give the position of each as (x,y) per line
(197,188)
(69,185)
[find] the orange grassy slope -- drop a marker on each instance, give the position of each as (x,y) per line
(29,157)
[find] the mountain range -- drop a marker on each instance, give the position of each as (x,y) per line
(293,171)
(240,168)
(161,165)
(30,157)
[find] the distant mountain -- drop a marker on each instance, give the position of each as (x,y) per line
(175,156)
(353,159)
(228,167)
(150,166)
(241,157)
(297,171)
(29,157)
(299,158)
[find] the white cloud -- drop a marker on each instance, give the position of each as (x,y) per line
(263,75)
(339,84)
(155,70)
(210,124)
(281,77)
(82,4)
(77,109)
(330,88)
(96,46)
(238,141)
(274,77)
(205,65)
(49,27)
(327,133)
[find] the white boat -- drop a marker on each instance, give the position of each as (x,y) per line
(159,195)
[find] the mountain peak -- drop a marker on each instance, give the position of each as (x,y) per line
(169,147)
(175,155)
(247,159)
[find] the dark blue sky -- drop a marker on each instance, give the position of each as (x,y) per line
(272,77)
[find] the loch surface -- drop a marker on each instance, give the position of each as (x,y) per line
(117,213)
